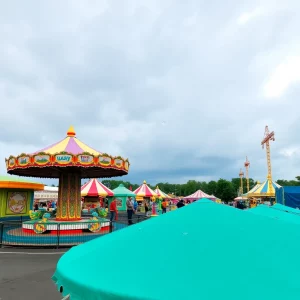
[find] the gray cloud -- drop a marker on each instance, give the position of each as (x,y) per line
(178,87)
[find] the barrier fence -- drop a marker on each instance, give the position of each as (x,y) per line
(56,235)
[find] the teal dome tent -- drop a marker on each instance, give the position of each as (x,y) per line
(204,251)
(122,193)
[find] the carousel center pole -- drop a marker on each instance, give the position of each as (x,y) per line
(69,197)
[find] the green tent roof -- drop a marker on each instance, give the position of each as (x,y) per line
(203,251)
(16,179)
(121,190)
(273,212)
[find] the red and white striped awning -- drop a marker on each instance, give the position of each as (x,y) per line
(161,194)
(95,188)
(199,195)
(145,191)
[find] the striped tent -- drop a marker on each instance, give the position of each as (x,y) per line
(161,194)
(144,191)
(69,144)
(199,195)
(258,184)
(95,188)
(264,190)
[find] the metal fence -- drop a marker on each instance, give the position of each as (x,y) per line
(56,235)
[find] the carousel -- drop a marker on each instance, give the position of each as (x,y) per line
(69,160)
(262,192)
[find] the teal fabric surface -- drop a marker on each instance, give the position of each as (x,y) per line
(204,251)
(273,212)
(286,208)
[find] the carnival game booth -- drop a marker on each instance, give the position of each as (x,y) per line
(121,193)
(145,193)
(288,195)
(16,197)
(70,160)
(263,263)
(94,194)
(198,195)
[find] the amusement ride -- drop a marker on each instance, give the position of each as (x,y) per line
(247,165)
(69,160)
(269,136)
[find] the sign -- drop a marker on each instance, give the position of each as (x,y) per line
(63,159)
(104,160)
(23,160)
(118,162)
(85,159)
(126,165)
(39,227)
(119,203)
(11,162)
(42,159)
(16,203)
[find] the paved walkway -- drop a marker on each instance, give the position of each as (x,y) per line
(26,274)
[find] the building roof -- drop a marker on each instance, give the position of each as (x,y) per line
(15,182)
(201,251)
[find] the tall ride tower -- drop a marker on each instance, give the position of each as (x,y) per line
(269,136)
(247,165)
(241,174)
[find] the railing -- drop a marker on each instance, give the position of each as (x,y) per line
(57,234)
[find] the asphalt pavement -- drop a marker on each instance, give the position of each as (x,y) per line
(25,274)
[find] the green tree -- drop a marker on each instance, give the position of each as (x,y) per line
(225,190)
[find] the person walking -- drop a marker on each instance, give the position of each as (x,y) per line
(164,205)
(130,210)
(146,208)
(113,210)
(180,204)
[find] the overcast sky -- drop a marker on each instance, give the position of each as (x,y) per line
(184,89)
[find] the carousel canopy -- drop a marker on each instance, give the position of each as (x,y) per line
(14,182)
(161,194)
(263,190)
(198,195)
(258,184)
(246,254)
(67,155)
(95,188)
(145,191)
(122,191)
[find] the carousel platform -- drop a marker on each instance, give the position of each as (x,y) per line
(56,233)
(65,228)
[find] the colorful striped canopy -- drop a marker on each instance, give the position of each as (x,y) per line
(69,144)
(258,184)
(161,194)
(145,191)
(264,190)
(95,188)
(199,195)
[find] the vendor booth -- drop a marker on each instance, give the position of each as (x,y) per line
(16,197)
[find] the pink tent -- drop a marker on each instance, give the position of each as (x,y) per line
(199,195)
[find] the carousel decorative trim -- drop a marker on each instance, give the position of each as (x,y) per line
(66,159)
